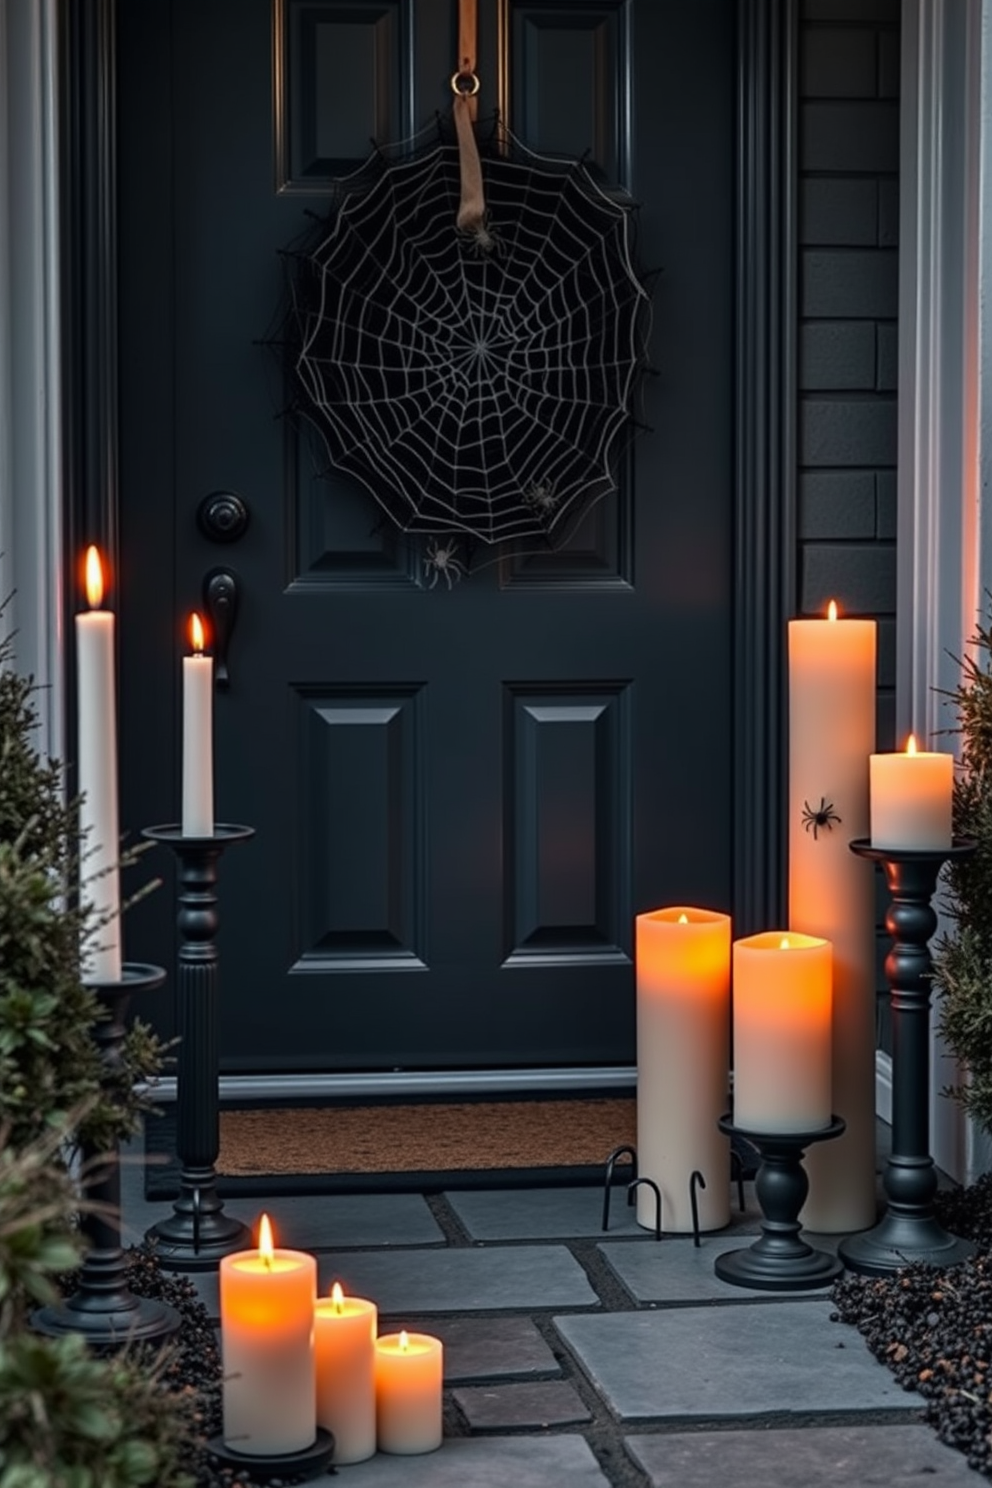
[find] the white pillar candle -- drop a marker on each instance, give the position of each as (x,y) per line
(344,1348)
(911,796)
(683,1063)
(409,1370)
(782,1032)
(831,892)
(97,782)
(198,738)
(267,1299)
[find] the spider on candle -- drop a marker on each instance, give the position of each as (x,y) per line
(823,815)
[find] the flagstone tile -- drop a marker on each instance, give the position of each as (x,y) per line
(521,1277)
(562,1213)
(537,1403)
(678,1271)
(492,1348)
(480,1462)
(748,1359)
(334,1221)
(900,1455)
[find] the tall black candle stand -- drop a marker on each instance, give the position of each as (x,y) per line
(908,1231)
(780,1260)
(198,1234)
(103,1309)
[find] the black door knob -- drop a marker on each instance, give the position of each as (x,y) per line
(222,516)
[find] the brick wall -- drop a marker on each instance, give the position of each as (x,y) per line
(848,291)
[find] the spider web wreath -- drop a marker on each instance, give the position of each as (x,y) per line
(477,383)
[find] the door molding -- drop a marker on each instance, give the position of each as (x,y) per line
(764,545)
(764,470)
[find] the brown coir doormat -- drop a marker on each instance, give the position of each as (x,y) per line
(348,1148)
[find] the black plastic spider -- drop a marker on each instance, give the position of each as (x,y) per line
(823,816)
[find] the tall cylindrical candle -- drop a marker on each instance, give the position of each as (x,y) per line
(198,738)
(266,1316)
(97,782)
(683,1063)
(409,1370)
(344,1345)
(782,1032)
(911,797)
(831,892)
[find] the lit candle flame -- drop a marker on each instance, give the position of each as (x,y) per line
(94,578)
(683,919)
(784,946)
(337,1297)
(832,610)
(404,1341)
(196,633)
(266,1251)
(911,744)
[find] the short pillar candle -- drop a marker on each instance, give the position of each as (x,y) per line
(267,1299)
(409,1370)
(344,1348)
(911,797)
(782,1032)
(683,1063)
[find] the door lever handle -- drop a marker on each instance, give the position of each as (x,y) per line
(220,599)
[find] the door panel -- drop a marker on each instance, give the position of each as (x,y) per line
(462,796)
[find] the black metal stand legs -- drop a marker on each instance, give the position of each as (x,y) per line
(199,1233)
(103,1309)
(908,1231)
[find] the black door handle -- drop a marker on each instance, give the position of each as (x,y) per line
(220,600)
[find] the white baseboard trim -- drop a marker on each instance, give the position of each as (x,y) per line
(883,1085)
(411,1082)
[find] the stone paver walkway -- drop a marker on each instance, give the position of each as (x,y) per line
(575,1359)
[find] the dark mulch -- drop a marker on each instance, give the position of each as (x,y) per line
(933,1327)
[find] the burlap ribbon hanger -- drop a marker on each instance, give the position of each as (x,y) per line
(465,85)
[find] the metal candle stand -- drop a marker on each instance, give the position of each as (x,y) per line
(103,1309)
(199,1233)
(295,1465)
(779,1261)
(696,1182)
(909,1230)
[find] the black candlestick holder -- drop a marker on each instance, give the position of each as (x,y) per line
(908,1231)
(780,1261)
(198,1234)
(103,1309)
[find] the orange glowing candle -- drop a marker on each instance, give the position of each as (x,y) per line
(344,1346)
(267,1301)
(911,797)
(831,735)
(683,1062)
(97,772)
(198,737)
(409,1369)
(782,1032)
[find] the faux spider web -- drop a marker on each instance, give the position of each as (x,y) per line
(473,383)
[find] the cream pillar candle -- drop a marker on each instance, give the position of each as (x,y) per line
(782,1032)
(97,779)
(409,1370)
(198,738)
(683,1063)
(911,800)
(344,1348)
(831,892)
(267,1299)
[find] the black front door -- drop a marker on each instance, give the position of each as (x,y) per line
(461,795)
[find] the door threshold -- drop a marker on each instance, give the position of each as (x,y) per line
(412,1082)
